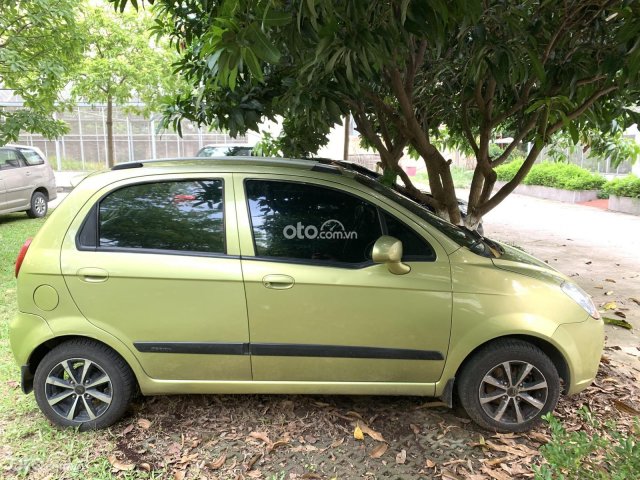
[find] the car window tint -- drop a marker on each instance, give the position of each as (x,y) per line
(184,216)
(9,159)
(414,247)
(310,222)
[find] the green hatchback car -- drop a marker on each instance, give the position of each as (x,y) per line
(286,276)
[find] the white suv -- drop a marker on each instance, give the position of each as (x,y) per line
(27,182)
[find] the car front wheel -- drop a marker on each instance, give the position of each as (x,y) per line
(83,384)
(508,386)
(39,207)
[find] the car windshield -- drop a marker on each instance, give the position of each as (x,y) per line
(460,235)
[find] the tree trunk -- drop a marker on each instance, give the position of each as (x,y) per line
(110,156)
(347,136)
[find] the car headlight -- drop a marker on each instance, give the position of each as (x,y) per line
(581,298)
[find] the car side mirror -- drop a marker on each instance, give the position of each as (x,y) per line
(388,250)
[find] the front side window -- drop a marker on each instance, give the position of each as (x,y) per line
(414,247)
(179,216)
(310,222)
(9,159)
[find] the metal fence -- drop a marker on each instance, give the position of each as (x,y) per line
(135,138)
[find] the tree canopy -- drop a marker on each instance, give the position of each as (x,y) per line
(404,69)
(121,64)
(40,42)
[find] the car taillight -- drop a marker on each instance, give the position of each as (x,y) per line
(22,254)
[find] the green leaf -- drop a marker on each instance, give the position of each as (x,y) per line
(617,322)
(274,18)
(262,46)
(252,63)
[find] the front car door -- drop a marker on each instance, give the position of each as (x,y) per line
(319,309)
(156,264)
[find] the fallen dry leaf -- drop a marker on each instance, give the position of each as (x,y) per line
(120,466)
(357,433)
(415,428)
(430,463)
(218,462)
(127,429)
(610,292)
(609,280)
(401,457)
(620,314)
(517,449)
(252,461)
(626,408)
(304,448)
(144,423)
(179,475)
(379,450)
(337,443)
(496,474)
(261,436)
(610,306)
(145,466)
(254,474)
(372,433)
(635,300)
(279,443)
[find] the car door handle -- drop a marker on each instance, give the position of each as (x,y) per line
(278,282)
(93,275)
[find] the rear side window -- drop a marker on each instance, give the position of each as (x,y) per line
(32,157)
(186,216)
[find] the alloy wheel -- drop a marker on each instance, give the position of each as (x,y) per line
(513,392)
(78,390)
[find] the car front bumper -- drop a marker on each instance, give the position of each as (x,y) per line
(582,344)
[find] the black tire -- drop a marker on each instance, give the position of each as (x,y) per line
(76,366)
(39,205)
(508,385)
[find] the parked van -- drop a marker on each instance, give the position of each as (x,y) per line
(27,183)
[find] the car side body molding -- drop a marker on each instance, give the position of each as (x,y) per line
(287,350)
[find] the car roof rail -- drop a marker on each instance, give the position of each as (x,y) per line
(317,164)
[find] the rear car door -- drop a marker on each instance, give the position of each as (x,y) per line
(156,264)
(319,308)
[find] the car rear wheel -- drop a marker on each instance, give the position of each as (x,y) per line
(508,386)
(83,384)
(39,206)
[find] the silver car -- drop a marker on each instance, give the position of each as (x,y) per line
(27,183)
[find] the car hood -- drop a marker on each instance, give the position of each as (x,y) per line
(517,261)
